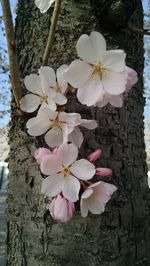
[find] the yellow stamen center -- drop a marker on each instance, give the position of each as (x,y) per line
(98,70)
(57,87)
(65,171)
(43,98)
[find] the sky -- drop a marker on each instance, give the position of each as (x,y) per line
(4,77)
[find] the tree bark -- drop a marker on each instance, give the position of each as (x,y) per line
(120,236)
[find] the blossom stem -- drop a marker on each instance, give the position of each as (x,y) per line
(51,36)
(13,61)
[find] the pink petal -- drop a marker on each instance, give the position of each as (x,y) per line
(76,137)
(41,153)
(84,208)
(94,155)
(78,73)
(132,77)
(29,103)
(114,83)
(52,185)
(33,84)
(68,153)
(51,164)
(103,190)
(37,126)
(101,171)
(116,100)
(71,188)
(83,169)
(90,92)
(72,119)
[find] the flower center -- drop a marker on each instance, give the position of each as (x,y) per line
(56,125)
(43,98)
(98,70)
(57,87)
(65,171)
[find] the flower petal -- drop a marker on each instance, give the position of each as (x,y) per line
(68,153)
(91,48)
(90,92)
(78,73)
(83,169)
(76,137)
(47,77)
(61,78)
(116,100)
(60,99)
(29,103)
(113,61)
(37,126)
(33,84)
(51,164)
(72,119)
(52,185)
(89,124)
(54,137)
(71,188)
(114,83)
(44,5)
(84,208)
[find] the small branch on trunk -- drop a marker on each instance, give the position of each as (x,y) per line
(13,61)
(135,29)
(52,32)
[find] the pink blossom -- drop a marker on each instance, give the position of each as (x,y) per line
(64,172)
(61,209)
(95,197)
(131,79)
(101,171)
(94,155)
(99,70)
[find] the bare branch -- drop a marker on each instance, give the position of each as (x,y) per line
(14,67)
(52,32)
(135,29)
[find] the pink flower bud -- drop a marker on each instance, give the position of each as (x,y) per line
(41,153)
(61,209)
(94,155)
(101,171)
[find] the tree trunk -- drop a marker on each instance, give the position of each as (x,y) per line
(120,236)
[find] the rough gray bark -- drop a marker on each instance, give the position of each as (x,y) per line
(120,236)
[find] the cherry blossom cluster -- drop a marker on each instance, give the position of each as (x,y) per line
(100,77)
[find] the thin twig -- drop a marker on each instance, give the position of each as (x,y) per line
(13,61)
(135,29)
(52,32)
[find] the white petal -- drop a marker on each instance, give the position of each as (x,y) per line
(114,83)
(102,102)
(60,99)
(68,153)
(90,92)
(78,73)
(51,103)
(91,48)
(65,132)
(116,100)
(83,169)
(29,103)
(114,61)
(54,137)
(61,78)
(44,5)
(37,126)
(76,137)
(87,193)
(47,113)
(72,119)
(48,78)
(89,124)
(33,84)
(96,206)
(71,188)
(52,185)
(51,164)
